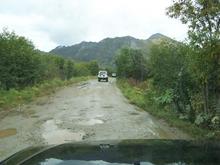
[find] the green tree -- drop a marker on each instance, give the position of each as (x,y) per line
(168,65)
(70,70)
(93,67)
(18,61)
(203,20)
(60,62)
(82,69)
(131,63)
(22,65)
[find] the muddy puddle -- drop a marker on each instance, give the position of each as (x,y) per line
(52,134)
(91,122)
(83,85)
(107,106)
(8,132)
(134,113)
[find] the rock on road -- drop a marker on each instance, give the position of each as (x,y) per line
(87,111)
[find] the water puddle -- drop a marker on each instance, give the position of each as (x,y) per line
(83,85)
(7,132)
(134,113)
(91,122)
(99,115)
(107,106)
(151,131)
(34,116)
(41,102)
(54,135)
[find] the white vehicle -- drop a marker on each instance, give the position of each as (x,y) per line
(113,74)
(103,75)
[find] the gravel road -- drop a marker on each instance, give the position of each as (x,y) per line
(88,111)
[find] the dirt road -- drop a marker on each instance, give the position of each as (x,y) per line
(87,111)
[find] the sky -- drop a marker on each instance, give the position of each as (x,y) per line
(50,23)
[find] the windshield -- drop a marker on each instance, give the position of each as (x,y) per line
(102,73)
(94,70)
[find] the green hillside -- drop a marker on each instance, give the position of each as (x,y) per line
(105,50)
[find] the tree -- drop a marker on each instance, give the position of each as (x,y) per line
(60,64)
(18,61)
(203,20)
(70,70)
(82,69)
(170,76)
(93,67)
(21,65)
(131,63)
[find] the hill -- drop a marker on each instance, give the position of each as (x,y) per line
(105,50)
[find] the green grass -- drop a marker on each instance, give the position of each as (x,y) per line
(136,96)
(13,97)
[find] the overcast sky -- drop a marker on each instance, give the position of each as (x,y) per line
(49,23)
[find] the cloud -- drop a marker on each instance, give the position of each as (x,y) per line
(49,23)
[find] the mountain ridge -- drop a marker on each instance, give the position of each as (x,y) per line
(104,50)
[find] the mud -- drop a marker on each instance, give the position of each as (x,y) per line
(88,111)
(7,132)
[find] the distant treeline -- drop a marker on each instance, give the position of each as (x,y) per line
(21,65)
(183,76)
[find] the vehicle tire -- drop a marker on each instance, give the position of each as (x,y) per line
(107,80)
(98,80)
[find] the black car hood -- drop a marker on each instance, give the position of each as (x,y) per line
(147,152)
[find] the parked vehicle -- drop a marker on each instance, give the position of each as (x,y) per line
(113,74)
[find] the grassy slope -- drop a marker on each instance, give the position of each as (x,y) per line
(13,97)
(137,97)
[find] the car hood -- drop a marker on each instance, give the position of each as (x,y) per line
(147,152)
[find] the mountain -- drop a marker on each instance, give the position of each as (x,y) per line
(105,50)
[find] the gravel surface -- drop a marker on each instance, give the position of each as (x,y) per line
(88,111)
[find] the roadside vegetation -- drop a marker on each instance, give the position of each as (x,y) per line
(26,72)
(139,94)
(181,80)
(17,97)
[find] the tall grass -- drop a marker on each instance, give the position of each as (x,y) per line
(137,95)
(13,97)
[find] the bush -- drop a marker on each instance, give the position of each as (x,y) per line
(203,120)
(166,98)
(145,101)
(21,65)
